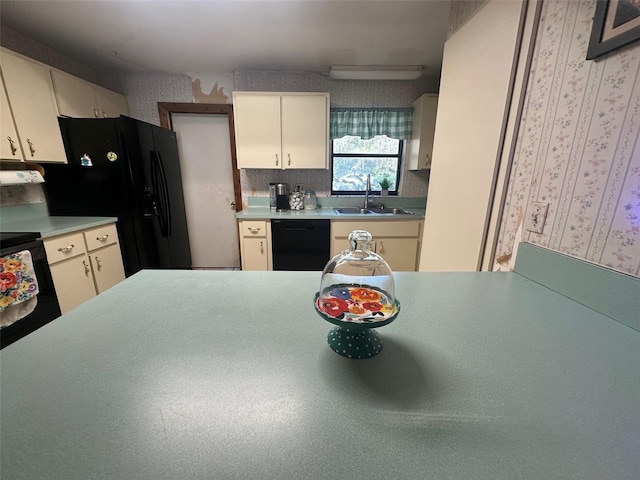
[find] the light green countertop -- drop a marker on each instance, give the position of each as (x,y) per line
(53,226)
(34,218)
(265,213)
(258,209)
(216,375)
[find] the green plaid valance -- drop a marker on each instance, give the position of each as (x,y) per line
(369,122)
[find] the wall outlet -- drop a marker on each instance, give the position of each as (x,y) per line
(535,217)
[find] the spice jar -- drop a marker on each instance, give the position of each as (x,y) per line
(310,200)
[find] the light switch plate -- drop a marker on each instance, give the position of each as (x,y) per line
(536,216)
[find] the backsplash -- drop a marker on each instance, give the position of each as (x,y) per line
(577,148)
(12,195)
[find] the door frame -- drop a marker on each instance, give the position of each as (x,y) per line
(165,109)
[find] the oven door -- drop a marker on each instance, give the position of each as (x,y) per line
(46,307)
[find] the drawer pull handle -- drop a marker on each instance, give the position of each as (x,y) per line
(104,114)
(99,264)
(95,111)
(12,144)
(66,249)
(381,247)
(254,229)
(261,247)
(31,147)
(87,269)
(103,238)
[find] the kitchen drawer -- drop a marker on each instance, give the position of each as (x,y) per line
(377,228)
(101,236)
(254,228)
(64,246)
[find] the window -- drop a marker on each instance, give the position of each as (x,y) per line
(352,158)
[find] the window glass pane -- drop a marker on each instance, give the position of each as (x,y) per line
(350,173)
(378,144)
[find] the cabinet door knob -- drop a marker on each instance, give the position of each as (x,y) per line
(87,269)
(66,249)
(276,159)
(104,114)
(289,155)
(99,264)
(103,238)
(261,247)
(32,147)
(12,144)
(381,247)
(95,111)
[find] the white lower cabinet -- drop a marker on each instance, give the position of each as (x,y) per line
(84,264)
(398,242)
(255,244)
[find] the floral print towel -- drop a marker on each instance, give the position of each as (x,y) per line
(18,281)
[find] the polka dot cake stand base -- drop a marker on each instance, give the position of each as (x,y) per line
(356,311)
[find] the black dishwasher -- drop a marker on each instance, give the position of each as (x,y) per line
(300,244)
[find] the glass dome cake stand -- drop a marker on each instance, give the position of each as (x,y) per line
(357,294)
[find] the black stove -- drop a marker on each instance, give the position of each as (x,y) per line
(12,239)
(47,307)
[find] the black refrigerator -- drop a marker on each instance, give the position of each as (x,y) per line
(129,169)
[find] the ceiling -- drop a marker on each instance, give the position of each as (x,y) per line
(223,36)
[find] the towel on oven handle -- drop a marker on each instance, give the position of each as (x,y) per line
(18,282)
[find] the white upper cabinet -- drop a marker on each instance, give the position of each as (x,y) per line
(420,147)
(110,103)
(81,99)
(305,131)
(281,130)
(258,132)
(32,102)
(9,143)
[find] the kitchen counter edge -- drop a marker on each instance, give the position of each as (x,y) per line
(266,213)
(54,226)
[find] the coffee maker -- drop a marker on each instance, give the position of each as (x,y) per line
(279,196)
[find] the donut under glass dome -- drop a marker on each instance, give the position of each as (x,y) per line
(357,294)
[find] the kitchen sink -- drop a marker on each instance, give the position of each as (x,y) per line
(390,211)
(352,210)
(372,210)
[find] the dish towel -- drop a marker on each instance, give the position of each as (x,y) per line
(18,285)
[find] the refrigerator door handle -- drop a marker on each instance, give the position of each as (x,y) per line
(158,206)
(165,191)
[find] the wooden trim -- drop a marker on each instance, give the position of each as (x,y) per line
(165,109)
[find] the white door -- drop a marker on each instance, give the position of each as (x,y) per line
(207,179)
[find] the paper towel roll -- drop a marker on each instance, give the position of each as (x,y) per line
(20,177)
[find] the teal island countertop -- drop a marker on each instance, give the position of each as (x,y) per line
(212,374)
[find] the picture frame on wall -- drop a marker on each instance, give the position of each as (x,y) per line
(615,23)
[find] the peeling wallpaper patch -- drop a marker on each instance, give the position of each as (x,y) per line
(210,87)
(577,147)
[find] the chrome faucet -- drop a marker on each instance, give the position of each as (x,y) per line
(366,192)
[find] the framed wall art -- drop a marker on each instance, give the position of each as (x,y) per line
(615,23)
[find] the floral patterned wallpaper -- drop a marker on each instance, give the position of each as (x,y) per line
(577,147)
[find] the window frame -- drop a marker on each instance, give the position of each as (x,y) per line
(399,155)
